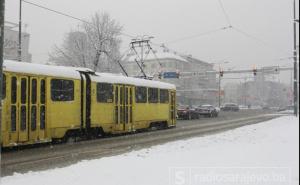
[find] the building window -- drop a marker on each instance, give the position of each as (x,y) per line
(141,95)
(104,93)
(152,95)
(164,96)
(62,90)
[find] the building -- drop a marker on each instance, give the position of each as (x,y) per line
(259,93)
(191,89)
(11,43)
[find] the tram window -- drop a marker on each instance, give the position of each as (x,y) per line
(4,87)
(104,93)
(164,96)
(34,91)
(13,118)
(141,95)
(23,118)
(13,90)
(43,91)
(62,90)
(153,95)
(121,95)
(42,117)
(117,95)
(33,118)
(23,90)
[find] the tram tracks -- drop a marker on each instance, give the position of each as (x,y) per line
(67,154)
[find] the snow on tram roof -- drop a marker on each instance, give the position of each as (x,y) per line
(72,72)
(119,79)
(41,69)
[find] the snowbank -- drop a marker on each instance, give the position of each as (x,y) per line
(258,153)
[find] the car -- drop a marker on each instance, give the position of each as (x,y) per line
(230,107)
(286,108)
(208,111)
(187,113)
(244,107)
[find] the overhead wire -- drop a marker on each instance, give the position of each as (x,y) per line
(67,15)
(225,13)
(258,40)
(246,34)
(198,35)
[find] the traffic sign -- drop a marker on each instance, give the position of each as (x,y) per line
(171,75)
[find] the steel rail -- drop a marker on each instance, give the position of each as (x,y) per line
(113,146)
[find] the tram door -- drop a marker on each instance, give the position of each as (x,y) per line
(19,109)
(123,108)
(128,96)
(37,121)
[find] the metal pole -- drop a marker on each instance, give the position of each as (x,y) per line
(20,33)
(245,92)
(2,14)
(219,90)
(295,64)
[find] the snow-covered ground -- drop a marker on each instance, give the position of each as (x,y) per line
(262,154)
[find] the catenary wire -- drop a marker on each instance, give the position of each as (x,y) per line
(66,15)
(225,13)
(198,35)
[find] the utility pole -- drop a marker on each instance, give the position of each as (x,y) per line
(2,14)
(220,90)
(20,33)
(295,64)
(141,43)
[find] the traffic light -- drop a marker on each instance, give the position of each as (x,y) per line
(255,71)
(221,73)
(160,75)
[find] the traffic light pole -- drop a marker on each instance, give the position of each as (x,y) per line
(295,64)
(2,14)
(220,90)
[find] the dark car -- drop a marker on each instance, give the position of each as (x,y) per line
(208,111)
(187,113)
(230,107)
(286,108)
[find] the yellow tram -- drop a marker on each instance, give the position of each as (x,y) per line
(42,103)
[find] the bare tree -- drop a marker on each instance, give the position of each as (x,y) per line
(96,46)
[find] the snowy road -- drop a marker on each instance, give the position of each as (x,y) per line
(63,155)
(260,154)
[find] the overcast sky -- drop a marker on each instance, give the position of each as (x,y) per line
(168,20)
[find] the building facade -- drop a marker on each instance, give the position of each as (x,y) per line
(262,93)
(193,90)
(11,43)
